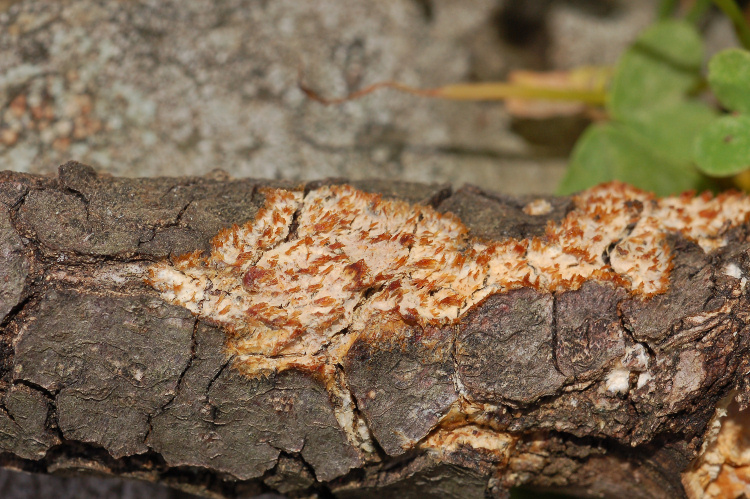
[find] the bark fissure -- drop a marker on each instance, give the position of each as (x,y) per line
(193,343)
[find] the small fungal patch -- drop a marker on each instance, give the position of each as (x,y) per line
(734,270)
(618,381)
(643,379)
(497,444)
(538,207)
(285,296)
(723,467)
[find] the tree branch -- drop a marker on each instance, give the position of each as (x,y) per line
(533,346)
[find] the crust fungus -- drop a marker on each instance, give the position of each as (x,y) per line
(538,207)
(297,286)
(723,468)
(498,446)
(285,296)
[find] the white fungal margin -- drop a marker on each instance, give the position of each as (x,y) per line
(538,207)
(617,381)
(733,270)
(643,379)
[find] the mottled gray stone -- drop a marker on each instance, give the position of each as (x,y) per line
(100,360)
(186,86)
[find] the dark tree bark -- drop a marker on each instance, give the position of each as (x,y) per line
(99,374)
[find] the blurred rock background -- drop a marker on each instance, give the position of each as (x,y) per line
(182,87)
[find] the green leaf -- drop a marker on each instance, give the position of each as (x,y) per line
(612,151)
(723,149)
(672,131)
(656,71)
(729,76)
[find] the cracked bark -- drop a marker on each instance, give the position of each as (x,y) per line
(98,374)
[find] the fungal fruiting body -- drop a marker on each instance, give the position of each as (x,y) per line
(723,466)
(285,291)
(316,271)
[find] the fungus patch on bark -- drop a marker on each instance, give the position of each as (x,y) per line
(496,445)
(319,275)
(538,207)
(285,291)
(723,467)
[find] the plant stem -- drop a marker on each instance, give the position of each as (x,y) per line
(585,84)
(697,10)
(730,8)
(501,91)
